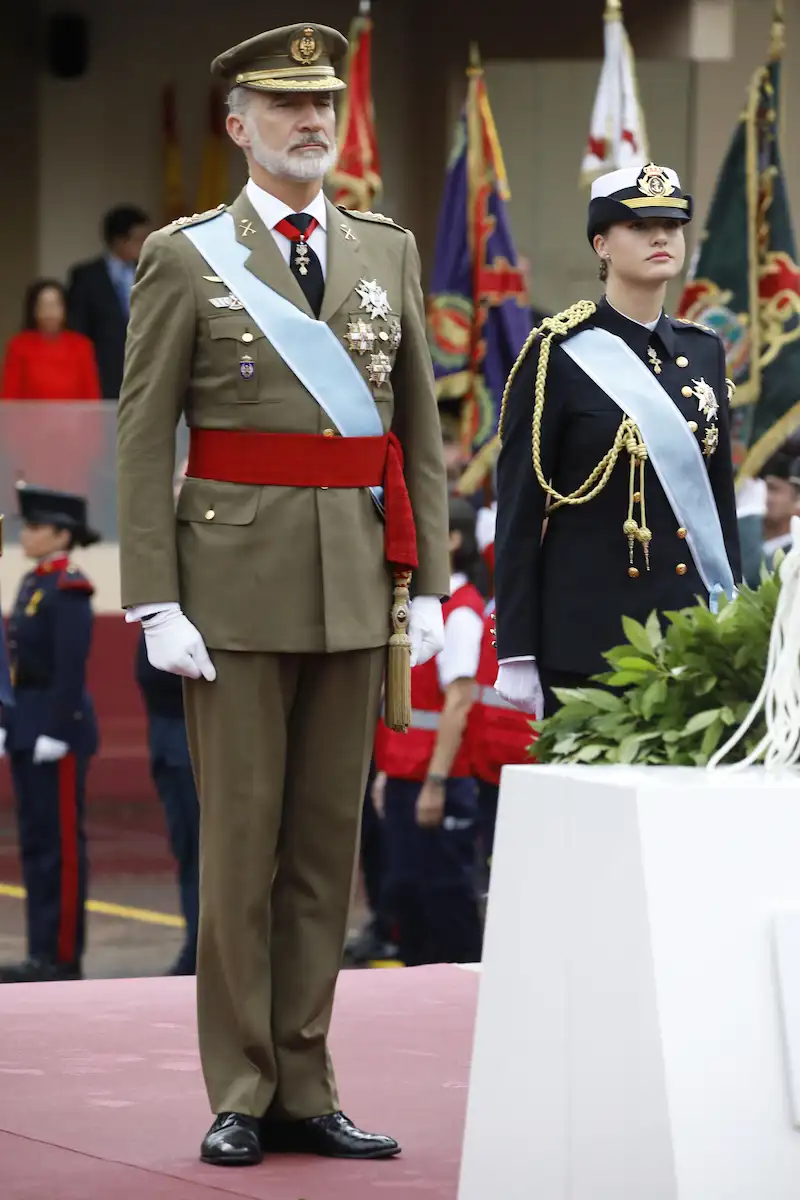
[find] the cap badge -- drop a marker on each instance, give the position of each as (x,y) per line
(306,49)
(654,181)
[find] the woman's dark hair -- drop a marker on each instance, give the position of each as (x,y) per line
(32,296)
(467,559)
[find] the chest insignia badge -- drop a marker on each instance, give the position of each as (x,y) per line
(374,299)
(33,603)
(655,361)
(360,336)
(380,367)
(247,368)
(706,398)
(711,440)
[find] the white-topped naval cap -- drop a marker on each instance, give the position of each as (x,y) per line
(630,177)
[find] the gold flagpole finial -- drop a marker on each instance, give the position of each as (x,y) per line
(364,8)
(474,57)
(778,39)
(613,10)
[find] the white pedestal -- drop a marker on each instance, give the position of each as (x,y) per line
(631,1033)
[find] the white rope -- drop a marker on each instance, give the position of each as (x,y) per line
(780,692)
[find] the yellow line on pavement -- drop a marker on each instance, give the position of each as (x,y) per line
(144,915)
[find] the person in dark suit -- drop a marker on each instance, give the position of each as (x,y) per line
(98,293)
(51,733)
(615,428)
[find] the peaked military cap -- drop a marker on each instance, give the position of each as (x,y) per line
(294,58)
(43,506)
(634,193)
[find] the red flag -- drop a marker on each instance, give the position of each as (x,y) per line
(214,182)
(174,200)
(357,176)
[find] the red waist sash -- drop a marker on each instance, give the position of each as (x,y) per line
(313,460)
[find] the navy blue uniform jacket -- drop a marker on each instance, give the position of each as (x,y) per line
(49,638)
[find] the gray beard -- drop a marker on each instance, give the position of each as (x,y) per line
(298,166)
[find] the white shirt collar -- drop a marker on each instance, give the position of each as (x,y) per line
(271,210)
(647,324)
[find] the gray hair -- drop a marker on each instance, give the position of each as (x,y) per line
(239,101)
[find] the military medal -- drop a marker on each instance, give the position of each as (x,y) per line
(360,336)
(711,440)
(706,398)
(655,361)
(300,260)
(301,256)
(374,298)
(247,367)
(380,368)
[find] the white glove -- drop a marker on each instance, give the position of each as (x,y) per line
(174,645)
(751,498)
(425,628)
(49,750)
(519,684)
(3,737)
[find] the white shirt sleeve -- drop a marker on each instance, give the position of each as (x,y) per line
(463,634)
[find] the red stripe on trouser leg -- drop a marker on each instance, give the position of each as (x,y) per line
(68,824)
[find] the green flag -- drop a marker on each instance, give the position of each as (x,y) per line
(745,283)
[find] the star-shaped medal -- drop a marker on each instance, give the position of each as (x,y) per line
(706,398)
(380,367)
(374,298)
(360,336)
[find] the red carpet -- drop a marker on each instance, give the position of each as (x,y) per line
(101,1096)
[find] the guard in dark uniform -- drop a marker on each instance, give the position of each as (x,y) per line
(50,733)
(615,433)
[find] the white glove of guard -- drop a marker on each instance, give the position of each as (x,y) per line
(174,645)
(425,628)
(519,684)
(3,737)
(49,750)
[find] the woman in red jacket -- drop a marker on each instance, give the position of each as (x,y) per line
(47,361)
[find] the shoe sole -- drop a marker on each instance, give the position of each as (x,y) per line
(230,1162)
(371,1154)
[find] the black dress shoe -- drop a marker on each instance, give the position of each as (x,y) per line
(232,1141)
(333,1136)
(38,970)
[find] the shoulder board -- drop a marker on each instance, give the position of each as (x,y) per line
(73,580)
(369,216)
(195,219)
(696,325)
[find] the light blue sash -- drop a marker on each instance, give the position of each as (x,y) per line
(309,348)
(671,448)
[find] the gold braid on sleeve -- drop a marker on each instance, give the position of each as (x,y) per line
(627,438)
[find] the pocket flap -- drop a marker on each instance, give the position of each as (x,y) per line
(231,326)
(216,503)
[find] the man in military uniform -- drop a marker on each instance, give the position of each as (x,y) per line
(615,428)
(292,337)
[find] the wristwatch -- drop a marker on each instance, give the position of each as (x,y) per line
(436,780)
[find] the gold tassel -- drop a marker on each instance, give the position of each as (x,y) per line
(398,667)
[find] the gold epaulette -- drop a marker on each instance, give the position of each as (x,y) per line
(369,216)
(558,325)
(195,219)
(697,325)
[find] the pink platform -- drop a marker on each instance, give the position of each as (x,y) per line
(101,1096)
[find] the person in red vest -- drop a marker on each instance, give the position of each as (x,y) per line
(425,788)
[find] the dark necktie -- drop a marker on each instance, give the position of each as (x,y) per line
(304,264)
